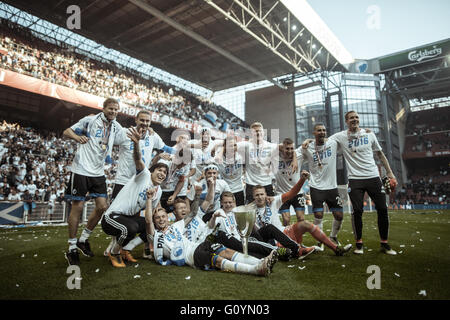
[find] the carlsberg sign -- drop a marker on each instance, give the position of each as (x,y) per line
(419,55)
(416,55)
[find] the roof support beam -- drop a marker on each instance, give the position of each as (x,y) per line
(155,12)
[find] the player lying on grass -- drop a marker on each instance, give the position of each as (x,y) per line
(268,223)
(171,246)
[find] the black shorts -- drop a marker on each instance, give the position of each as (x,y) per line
(240,199)
(204,254)
(80,186)
(298,202)
(330,197)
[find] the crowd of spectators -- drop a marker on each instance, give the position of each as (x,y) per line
(23,52)
(431,187)
(35,165)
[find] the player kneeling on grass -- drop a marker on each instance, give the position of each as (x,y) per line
(122,220)
(172,247)
(268,223)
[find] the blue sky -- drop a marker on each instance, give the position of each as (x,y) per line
(402,24)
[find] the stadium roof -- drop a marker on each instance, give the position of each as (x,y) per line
(217,44)
(418,73)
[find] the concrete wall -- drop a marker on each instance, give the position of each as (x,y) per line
(274,108)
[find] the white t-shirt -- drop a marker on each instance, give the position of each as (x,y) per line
(132,198)
(197,230)
(126,167)
(174,237)
(90,157)
(173,176)
(321,177)
(360,164)
(285,179)
(228,224)
(232,173)
(221,186)
(202,157)
(269,214)
(260,161)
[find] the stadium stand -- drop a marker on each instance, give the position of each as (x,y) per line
(24,53)
(426,155)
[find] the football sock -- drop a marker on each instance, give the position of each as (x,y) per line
(133,244)
(85,235)
(72,243)
(321,237)
(336,226)
(318,222)
(238,267)
(116,248)
(240,257)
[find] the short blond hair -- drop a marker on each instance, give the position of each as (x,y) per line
(256,124)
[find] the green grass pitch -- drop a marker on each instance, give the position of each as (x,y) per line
(33,267)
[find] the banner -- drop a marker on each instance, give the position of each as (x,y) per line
(11,212)
(31,84)
(416,55)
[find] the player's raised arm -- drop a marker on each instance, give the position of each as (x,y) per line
(194,206)
(150,228)
(135,136)
(210,195)
(296,188)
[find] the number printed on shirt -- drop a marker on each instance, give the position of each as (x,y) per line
(358,142)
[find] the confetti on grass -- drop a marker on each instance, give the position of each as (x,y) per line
(137,276)
(423,293)
(397,274)
(188,278)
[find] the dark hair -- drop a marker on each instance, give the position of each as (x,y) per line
(318,124)
(178,200)
(159,165)
(143,112)
(110,101)
(258,187)
(288,141)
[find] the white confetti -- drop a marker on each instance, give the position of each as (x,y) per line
(343,266)
(402,246)
(291,266)
(439,238)
(23,255)
(188,278)
(397,274)
(136,276)
(136,265)
(412,246)
(148,273)
(301,268)
(97,270)
(369,249)
(44,262)
(423,293)
(400,252)
(417,231)
(420,240)
(35,255)
(17,285)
